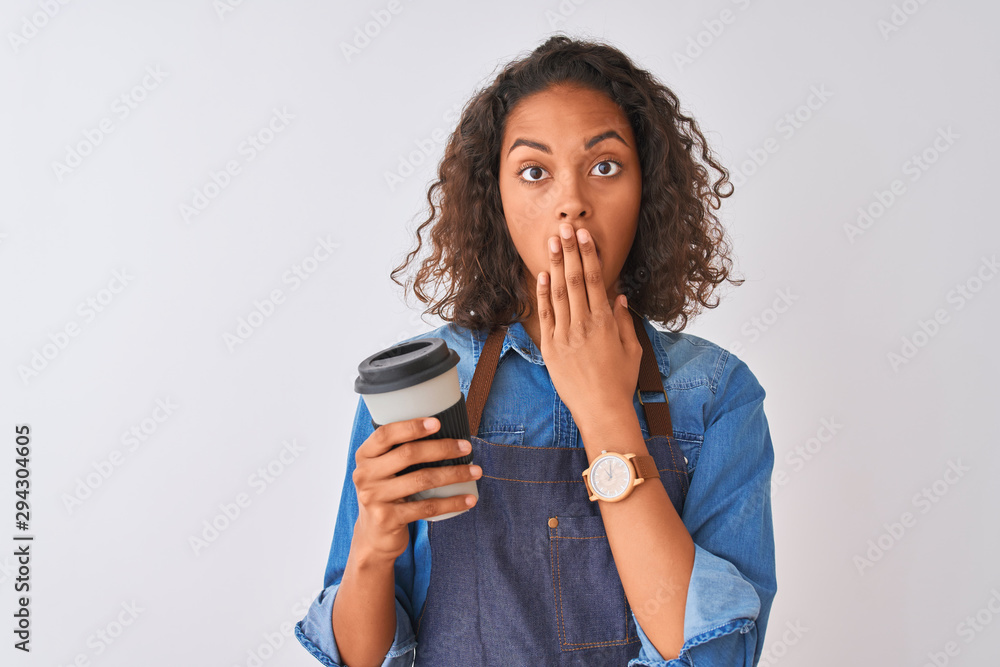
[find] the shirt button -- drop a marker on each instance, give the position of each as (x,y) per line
(553,522)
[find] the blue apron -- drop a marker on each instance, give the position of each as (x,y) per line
(526,577)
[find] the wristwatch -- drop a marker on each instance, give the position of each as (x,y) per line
(612,476)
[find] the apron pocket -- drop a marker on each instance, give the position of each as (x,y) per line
(590,606)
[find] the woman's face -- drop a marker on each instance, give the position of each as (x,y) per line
(568,156)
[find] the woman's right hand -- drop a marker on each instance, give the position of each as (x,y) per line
(383,515)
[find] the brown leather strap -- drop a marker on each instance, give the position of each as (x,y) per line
(482,379)
(645,466)
(657,414)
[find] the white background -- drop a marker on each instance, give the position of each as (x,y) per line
(853,299)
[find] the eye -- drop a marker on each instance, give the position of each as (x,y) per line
(533,171)
(605,168)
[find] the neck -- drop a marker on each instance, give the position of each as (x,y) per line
(533,328)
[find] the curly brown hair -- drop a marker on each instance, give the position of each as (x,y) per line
(680,253)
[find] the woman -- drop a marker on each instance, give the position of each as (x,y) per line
(572,208)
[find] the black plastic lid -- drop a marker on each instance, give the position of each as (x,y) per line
(404,365)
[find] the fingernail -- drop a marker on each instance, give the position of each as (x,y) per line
(430,423)
(554,245)
(582,235)
(566,231)
(475,470)
(463,445)
(470,501)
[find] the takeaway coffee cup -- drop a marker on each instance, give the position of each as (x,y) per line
(413,379)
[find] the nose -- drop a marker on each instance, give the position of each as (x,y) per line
(572,203)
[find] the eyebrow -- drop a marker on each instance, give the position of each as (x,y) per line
(590,143)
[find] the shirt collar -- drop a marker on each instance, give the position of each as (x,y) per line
(517,339)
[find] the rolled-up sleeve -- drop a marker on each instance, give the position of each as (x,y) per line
(315,633)
(728,514)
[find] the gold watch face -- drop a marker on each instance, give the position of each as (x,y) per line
(610,476)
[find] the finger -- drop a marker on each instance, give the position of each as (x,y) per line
(419,451)
(557,282)
(593,275)
(576,287)
(626,325)
(429,478)
(387,436)
(412,510)
(544,306)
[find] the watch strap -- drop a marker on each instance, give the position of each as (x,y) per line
(645,466)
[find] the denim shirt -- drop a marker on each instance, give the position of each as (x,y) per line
(716,405)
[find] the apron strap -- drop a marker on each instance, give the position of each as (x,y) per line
(482,379)
(657,414)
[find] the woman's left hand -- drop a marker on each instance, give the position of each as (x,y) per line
(590,350)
